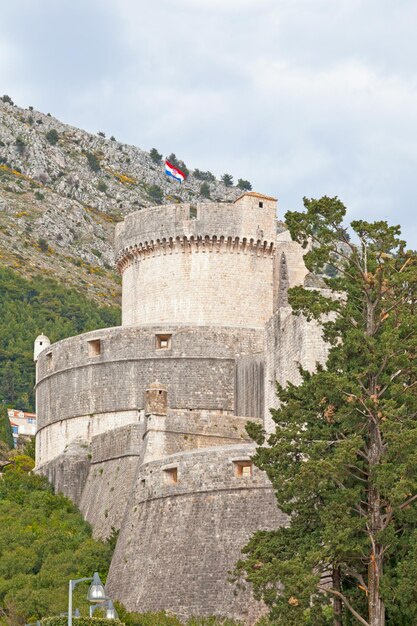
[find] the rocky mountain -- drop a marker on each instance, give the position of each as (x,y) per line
(62,190)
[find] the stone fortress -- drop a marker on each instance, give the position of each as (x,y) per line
(143,425)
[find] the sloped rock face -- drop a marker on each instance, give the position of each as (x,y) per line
(62,190)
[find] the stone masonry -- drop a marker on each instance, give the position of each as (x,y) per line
(143,425)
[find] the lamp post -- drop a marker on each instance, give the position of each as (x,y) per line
(108,606)
(96,592)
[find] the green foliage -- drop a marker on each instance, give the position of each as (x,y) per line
(102,186)
(205,190)
(28,308)
(44,542)
(161,618)
(6,433)
(155,194)
(178,163)
(155,156)
(101,134)
(39,195)
(227,180)
(81,621)
(93,161)
(342,459)
(8,99)
(20,145)
(52,136)
(206,176)
(43,244)
(244,185)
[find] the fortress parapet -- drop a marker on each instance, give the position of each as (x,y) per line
(208,264)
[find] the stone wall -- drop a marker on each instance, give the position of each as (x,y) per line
(180,539)
(115,457)
(214,269)
(81,395)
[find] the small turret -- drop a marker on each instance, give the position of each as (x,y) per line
(41,342)
(156,397)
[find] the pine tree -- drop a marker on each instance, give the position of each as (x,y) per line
(343,457)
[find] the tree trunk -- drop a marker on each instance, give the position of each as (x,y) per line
(337,602)
(376,608)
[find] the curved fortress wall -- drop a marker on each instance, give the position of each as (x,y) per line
(208,265)
(181,537)
(96,382)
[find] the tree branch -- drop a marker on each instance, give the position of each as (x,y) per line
(346,603)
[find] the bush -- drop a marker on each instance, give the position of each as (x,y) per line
(43,244)
(20,145)
(156,156)
(205,190)
(102,186)
(8,99)
(93,162)
(244,185)
(112,138)
(52,136)
(207,176)
(39,195)
(155,194)
(80,621)
(227,180)
(101,134)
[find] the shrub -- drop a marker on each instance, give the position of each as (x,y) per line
(244,185)
(207,176)
(101,134)
(227,180)
(102,186)
(8,99)
(155,156)
(93,162)
(156,194)
(52,136)
(20,145)
(43,244)
(205,190)
(80,621)
(112,138)
(39,195)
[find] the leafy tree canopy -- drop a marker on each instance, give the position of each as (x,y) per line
(343,456)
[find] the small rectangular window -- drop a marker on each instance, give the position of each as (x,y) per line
(163,342)
(171,475)
(193,212)
(261,205)
(49,360)
(94,347)
(243,469)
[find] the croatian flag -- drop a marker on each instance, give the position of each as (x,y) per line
(171,170)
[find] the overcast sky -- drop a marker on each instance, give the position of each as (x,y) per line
(301,97)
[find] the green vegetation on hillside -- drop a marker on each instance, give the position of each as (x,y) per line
(29,308)
(44,542)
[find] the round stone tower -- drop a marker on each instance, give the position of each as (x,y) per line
(206,265)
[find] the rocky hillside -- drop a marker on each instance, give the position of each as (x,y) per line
(62,190)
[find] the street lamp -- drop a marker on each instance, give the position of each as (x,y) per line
(96,592)
(108,606)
